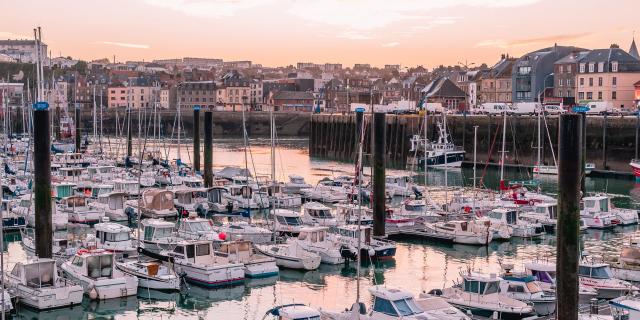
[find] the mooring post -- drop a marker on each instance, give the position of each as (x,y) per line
(464,127)
(42,179)
(57,123)
(604,142)
(568,255)
(129,137)
(208,149)
(196,138)
(78,131)
(583,184)
(358,128)
(379,199)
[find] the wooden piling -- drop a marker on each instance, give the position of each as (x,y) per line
(42,180)
(379,157)
(196,138)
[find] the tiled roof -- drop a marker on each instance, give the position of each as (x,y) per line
(293,95)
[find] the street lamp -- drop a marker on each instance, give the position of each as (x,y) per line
(544,86)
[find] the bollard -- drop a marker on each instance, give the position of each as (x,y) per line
(196,138)
(379,138)
(42,179)
(569,177)
(208,149)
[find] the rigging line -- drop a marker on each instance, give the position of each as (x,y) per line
(553,154)
(484,170)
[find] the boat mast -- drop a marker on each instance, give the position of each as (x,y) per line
(273,146)
(95,116)
(179,126)
(504,139)
(539,139)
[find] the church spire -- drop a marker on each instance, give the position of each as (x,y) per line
(633,51)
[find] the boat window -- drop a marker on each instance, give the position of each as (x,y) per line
(589,203)
(77,261)
(463,226)
(321,236)
(584,271)
(99,266)
(495,215)
(541,210)
(190,251)
(403,307)
(148,233)
(292,221)
(412,207)
(601,273)
(39,274)
(314,237)
(302,236)
(604,205)
(542,276)
(202,250)
(533,287)
(512,216)
(384,306)
(163,233)
(553,212)
(16,271)
(492,287)
(515,288)
(179,250)
(120,236)
(471,286)
(200,226)
(116,203)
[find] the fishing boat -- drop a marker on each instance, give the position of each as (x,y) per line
(202,266)
(94,271)
(519,228)
(545,273)
(115,238)
(545,213)
(287,222)
(626,266)
(187,200)
(295,184)
(79,211)
(463,232)
(290,255)
(158,235)
(36,284)
(256,265)
(196,228)
(315,213)
(371,248)
(525,288)
(151,274)
(600,205)
(442,153)
(113,205)
(480,294)
(598,275)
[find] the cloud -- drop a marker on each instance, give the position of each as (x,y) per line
(355,35)
(209,8)
(390,44)
(124,44)
(502,43)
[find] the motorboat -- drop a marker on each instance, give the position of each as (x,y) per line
(196,228)
(287,222)
(256,265)
(274,192)
(61,248)
(131,187)
(151,274)
(317,214)
(545,213)
(463,232)
(290,255)
(91,189)
(370,248)
(324,193)
(242,230)
(600,206)
(526,289)
(545,273)
(202,266)
(241,192)
(349,213)
(115,238)
(626,266)
(79,211)
(94,270)
(158,235)
(480,295)
(598,275)
(293,312)
(36,283)
(164,177)
(519,228)
(113,205)
(625,307)
(155,204)
(187,200)
(316,240)
(400,186)
(296,183)
(10,220)
(219,203)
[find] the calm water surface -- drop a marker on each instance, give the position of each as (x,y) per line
(418,265)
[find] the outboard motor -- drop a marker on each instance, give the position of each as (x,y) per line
(128,163)
(435,292)
(347,253)
(416,192)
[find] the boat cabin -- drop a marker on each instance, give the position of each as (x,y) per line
(196,252)
(70,173)
(509,216)
(296,179)
(481,284)
(351,231)
(317,213)
(192,182)
(155,229)
(157,199)
(63,190)
(596,204)
(36,273)
(109,232)
(393,303)
(93,190)
(95,264)
(417,206)
(287,221)
(595,270)
(197,228)
(73,203)
(127,186)
(99,171)
(520,284)
(548,209)
(401,181)
(349,214)
(114,200)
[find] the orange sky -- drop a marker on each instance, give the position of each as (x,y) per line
(282,32)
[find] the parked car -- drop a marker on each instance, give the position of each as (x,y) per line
(599,107)
(554,109)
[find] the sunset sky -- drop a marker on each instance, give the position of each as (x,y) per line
(283,32)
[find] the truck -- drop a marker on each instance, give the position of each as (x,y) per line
(522,108)
(599,107)
(492,108)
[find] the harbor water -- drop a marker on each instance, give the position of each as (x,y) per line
(419,265)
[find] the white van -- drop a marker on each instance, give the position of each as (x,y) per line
(553,109)
(434,107)
(529,108)
(599,107)
(492,108)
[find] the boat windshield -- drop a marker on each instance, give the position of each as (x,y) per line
(596,272)
(546,277)
(120,236)
(323,214)
(100,266)
(414,207)
(292,221)
(39,274)
(533,287)
(199,226)
(407,307)
(491,287)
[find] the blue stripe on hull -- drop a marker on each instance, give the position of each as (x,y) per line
(263,275)
(214,284)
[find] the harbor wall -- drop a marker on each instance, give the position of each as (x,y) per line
(333,137)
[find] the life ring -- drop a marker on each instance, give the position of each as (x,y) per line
(531,202)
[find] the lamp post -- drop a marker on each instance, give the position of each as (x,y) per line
(544,86)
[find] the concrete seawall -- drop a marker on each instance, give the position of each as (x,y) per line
(332,136)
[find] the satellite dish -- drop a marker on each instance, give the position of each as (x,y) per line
(17,77)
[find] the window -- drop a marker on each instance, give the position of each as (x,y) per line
(581,82)
(121,236)
(599,95)
(614,81)
(384,306)
(560,82)
(582,68)
(524,70)
(202,250)
(589,95)
(614,66)
(190,251)
(568,68)
(591,65)
(492,287)
(515,288)
(600,81)
(99,266)
(590,82)
(561,68)
(614,95)
(600,66)
(471,286)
